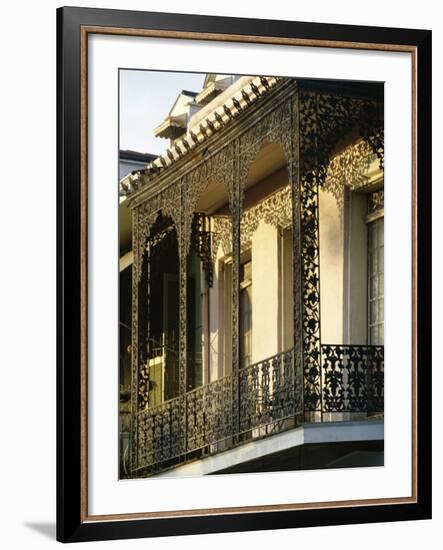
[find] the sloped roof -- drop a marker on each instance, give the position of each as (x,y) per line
(249,91)
(136,156)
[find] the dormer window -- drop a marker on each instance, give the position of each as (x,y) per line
(175,124)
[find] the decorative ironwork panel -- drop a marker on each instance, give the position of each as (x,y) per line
(221,235)
(159,434)
(294,170)
(184,241)
(372,128)
(353,379)
(274,127)
(350,168)
(201,237)
(310,291)
(235,199)
(333,374)
(217,167)
(168,202)
(275,210)
(376,377)
(251,387)
(309,222)
(133,451)
(357,370)
(267,391)
(209,419)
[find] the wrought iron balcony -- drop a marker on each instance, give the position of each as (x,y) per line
(265,398)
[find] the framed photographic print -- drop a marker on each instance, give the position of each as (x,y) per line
(244,270)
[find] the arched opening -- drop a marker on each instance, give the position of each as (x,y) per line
(209,288)
(266,295)
(266,258)
(159,314)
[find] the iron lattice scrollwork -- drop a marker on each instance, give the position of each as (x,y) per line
(202,242)
(267,392)
(209,414)
(266,399)
(235,203)
(308,125)
(221,235)
(353,379)
(353,383)
(275,210)
(274,128)
(324,120)
(350,168)
(159,434)
(310,292)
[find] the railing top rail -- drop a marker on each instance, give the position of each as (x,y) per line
(160,406)
(266,359)
(213,382)
(380,346)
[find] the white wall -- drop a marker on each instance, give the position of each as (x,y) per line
(28,310)
(356,301)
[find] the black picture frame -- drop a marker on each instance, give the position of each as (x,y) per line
(72,522)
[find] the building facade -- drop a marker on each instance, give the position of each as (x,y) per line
(131,161)
(255,287)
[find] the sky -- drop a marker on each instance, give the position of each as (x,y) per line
(145,100)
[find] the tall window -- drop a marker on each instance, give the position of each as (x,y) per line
(246,314)
(375,268)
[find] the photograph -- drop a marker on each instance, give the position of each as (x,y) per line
(251,274)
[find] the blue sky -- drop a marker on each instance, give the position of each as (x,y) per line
(145,99)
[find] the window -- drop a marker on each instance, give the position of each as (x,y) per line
(375,222)
(245,314)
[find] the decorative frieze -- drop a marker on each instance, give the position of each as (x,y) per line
(275,210)
(350,168)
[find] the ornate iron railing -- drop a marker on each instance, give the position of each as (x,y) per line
(269,401)
(267,391)
(353,379)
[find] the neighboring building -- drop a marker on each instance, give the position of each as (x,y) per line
(131,161)
(182,116)
(254,289)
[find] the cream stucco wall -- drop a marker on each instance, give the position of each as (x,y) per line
(266,303)
(331,269)
(265,290)
(343,264)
